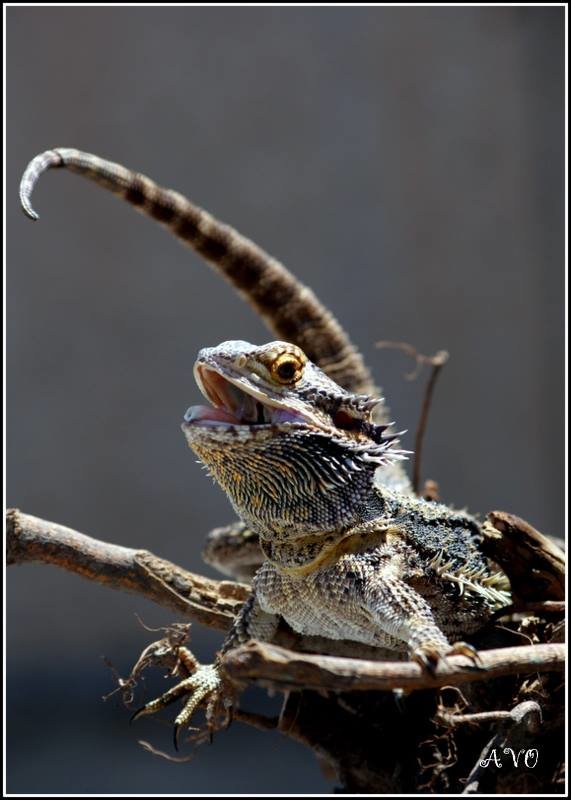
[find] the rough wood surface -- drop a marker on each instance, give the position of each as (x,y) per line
(534,563)
(275,667)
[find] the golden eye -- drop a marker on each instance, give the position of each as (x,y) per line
(287,368)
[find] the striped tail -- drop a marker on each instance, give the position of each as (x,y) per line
(290,309)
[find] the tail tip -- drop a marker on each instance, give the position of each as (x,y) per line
(31,214)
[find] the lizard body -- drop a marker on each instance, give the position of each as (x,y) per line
(297,437)
(345,556)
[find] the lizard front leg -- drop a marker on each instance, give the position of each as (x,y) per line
(205,686)
(401,612)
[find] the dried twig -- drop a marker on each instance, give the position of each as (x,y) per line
(166,756)
(437,361)
(528,710)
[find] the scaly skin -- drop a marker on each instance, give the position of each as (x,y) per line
(345,556)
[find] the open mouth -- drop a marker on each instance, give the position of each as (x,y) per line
(234,403)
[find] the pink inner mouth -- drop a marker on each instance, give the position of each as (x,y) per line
(209,415)
(233,406)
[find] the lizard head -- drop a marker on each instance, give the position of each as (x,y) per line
(294,451)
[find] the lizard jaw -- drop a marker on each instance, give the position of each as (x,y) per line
(235,404)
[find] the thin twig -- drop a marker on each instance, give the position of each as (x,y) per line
(167,756)
(437,361)
(529,711)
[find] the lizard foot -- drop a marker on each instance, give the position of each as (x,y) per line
(204,687)
(430,653)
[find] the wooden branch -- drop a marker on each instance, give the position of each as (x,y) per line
(210,602)
(533,562)
(274,667)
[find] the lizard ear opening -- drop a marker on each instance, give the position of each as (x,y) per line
(355,418)
(354,413)
(347,422)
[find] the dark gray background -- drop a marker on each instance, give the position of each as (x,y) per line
(407,163)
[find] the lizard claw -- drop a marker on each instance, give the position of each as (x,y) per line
(468,650)
(138,713)
(429,654)
(175,735)
(202,688)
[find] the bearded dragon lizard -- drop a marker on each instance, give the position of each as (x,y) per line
(347,551)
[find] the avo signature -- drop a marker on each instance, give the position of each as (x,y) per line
(527,758)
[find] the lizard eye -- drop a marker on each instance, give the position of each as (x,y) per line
(287,368)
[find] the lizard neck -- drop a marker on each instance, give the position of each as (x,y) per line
(306,512)
(284,502)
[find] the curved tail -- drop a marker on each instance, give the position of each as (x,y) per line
(290,309)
